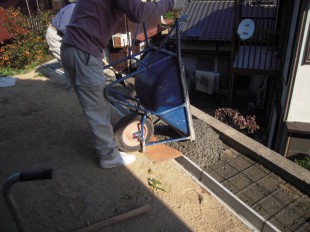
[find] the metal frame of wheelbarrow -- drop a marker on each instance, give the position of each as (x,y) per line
(122,102)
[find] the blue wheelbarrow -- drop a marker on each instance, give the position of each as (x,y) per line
(161,93)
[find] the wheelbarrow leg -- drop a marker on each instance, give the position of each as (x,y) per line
(142,133)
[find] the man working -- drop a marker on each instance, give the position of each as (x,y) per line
(56,31)
(57,28)
(91,27)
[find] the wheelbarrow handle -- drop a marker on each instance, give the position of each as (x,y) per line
(26,176)
(21,176)
(36,175)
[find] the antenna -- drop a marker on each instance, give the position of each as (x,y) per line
(246,29)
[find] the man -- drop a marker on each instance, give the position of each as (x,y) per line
(56,31)
(57,28)
(91,27)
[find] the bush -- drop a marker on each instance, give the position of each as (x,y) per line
(169,15)
(304,162)
(233,118)
(28,45)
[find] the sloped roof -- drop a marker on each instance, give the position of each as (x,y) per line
(213,20)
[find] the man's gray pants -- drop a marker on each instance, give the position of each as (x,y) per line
(85,73)
(53,41)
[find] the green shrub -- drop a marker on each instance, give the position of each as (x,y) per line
(27,46)
(169,15)
(304,162)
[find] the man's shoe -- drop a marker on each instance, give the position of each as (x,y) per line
(121,160)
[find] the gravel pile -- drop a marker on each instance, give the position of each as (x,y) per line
(205,150)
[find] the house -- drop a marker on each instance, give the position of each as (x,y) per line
(292,136)
(133,37)
(126,31)
(259,51)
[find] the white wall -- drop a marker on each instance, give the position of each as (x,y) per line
(300,103)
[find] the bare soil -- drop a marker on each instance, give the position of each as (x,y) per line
(42,126)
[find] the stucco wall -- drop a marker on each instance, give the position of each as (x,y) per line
(299,108)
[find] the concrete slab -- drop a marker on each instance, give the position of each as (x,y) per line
(288,170)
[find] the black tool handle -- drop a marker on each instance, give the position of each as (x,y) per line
(8,198)
(36,175)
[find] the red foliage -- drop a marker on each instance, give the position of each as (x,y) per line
(235,119)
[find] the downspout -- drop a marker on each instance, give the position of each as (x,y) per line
(233,45)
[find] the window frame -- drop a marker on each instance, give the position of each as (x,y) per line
(306,58)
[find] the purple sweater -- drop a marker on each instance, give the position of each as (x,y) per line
(94,21)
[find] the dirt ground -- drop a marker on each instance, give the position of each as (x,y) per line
(42,126)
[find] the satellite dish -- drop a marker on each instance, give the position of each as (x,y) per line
(246,29)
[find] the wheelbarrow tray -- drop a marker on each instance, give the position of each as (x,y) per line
(159,89)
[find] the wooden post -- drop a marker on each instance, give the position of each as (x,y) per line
(117,219)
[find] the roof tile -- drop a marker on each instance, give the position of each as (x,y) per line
(213,20)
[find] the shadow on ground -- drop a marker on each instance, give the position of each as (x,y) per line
(42,126)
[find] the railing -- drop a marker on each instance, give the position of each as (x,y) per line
(260,53)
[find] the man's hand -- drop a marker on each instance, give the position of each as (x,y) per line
(179,5)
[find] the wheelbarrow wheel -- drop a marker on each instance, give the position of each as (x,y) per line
(127,130)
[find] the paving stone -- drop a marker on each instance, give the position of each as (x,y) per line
(237,183)
(290,220)
(217,177)
(270,183)
(252,194)
(255,173)
(227,171)
(240,164)
(270,206)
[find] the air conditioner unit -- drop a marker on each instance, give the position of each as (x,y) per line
(207,82)
(120,40)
